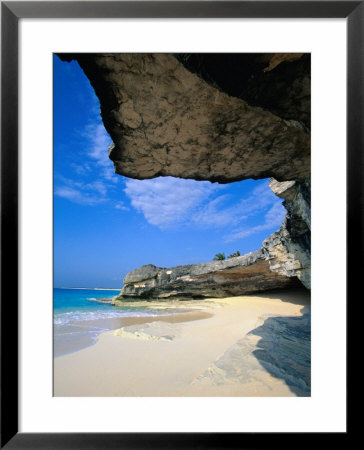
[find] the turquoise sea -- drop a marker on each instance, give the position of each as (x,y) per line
(72,305)
(80,315)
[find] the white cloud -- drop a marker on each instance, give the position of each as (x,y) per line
(216,214)
(78,196)
(94,173)
(272,220)
(275,215)
(81,169)
(121,206)
(96,186)
(261,197)
(91,179)
(220,211)
(80,192)
(109,173)
(167,201)
(98,143)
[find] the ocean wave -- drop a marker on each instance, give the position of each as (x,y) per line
(78,316)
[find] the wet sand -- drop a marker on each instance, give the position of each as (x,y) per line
(238,346)
(74,337)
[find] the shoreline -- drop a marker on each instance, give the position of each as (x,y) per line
(237,346)
(90,289)
(62,346)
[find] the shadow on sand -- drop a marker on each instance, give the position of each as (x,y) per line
(284,350)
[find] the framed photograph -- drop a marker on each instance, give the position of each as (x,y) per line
(158,269)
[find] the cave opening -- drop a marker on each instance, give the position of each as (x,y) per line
(208,213)
(166,221)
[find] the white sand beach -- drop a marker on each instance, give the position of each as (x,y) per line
(256,345)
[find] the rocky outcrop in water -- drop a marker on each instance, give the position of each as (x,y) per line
(236,276)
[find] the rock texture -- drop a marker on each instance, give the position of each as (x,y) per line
(278,82)
(289,249)
(284,257)
(235,276)
(217,117)
(165,120)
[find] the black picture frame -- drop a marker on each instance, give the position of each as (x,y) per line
(11,12)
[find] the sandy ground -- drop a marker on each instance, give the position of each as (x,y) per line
(219,352)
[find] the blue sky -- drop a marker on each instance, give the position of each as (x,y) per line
(106,225)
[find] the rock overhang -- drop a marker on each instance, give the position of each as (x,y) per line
(178,115)
(165,120)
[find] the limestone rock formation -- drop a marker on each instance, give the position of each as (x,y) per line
(277,82)
(286,253)
(289,249)
(235,276)
(165,120)
(217,117)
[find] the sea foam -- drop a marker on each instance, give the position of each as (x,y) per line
(76,316)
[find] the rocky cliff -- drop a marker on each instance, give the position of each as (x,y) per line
(289,249)
(217,117)
(283,258)
(236,276)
